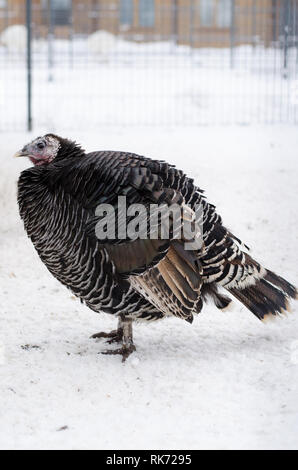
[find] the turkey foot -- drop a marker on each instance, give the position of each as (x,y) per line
(124,334)
(115,336)
(124,351)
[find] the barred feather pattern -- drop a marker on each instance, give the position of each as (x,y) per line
(78,262)
(143,280)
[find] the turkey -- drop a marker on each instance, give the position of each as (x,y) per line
(65,197)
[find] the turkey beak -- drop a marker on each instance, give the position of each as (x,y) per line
(22,153)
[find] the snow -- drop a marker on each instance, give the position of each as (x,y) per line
(147,84)
(227,381)
(14,38)
(102,42)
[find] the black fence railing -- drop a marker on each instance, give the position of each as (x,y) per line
(101,63)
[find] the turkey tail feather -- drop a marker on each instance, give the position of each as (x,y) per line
(281,283)
(269,296)
(210,291)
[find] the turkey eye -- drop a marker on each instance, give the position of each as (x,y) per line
(41,145)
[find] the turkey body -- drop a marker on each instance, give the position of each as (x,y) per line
(141,279)
(57,219)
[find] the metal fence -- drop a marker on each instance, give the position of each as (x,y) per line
(73,64)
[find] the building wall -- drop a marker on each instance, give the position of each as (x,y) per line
(250,20)
(178,20)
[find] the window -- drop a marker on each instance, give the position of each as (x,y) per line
(224,13)
(60,9)
(215,13)
(146,13)
(126,12)
(206,12)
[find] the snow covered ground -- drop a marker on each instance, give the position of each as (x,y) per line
(153,83)
(226,381)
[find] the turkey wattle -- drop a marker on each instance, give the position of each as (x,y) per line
(135,278)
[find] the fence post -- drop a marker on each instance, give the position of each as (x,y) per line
(71,32)
(286,35)
(191,20)
(174,8)
(29,63)
(274,20)
(254,24)
(296,31)
(50,39)
(232,34)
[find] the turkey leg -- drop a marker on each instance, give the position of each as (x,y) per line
(124,334)
(114,336)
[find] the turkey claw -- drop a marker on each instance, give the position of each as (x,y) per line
(114,336)
(124,351)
